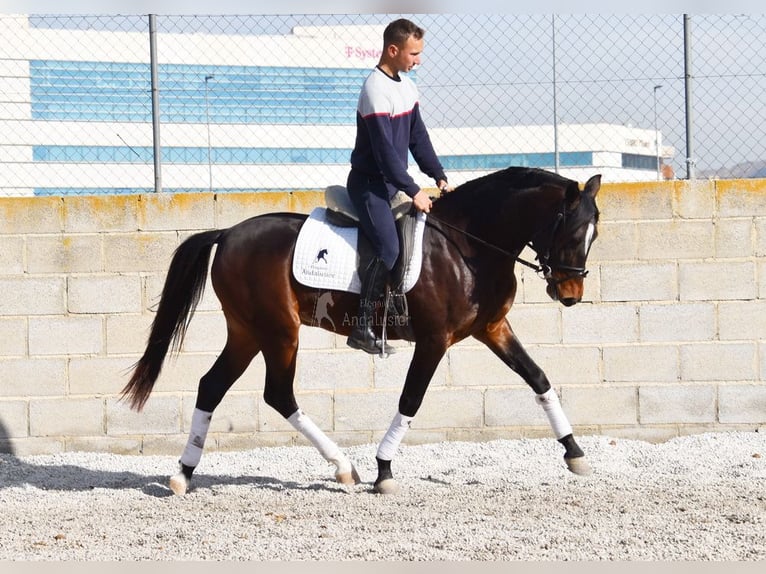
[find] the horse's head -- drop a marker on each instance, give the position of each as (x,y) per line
(564,254)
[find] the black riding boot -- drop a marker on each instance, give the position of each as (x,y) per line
(373,291)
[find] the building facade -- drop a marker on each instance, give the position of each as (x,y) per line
(238,113)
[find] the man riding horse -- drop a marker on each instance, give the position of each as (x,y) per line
(389,126)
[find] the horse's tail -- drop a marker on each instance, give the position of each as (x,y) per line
(184,286)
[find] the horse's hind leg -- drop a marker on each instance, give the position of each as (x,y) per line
(503,342)
(278,394)
(229,366)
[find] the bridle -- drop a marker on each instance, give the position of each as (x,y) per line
(547,267)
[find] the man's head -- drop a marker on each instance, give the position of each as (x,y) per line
(402,46)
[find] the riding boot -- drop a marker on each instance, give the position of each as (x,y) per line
(374,284)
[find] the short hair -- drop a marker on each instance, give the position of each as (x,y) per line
(399,30)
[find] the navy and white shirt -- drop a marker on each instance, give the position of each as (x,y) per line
(388,125)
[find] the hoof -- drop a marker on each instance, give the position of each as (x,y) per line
(386,486)
(179,484)
(579,466)
(348,478)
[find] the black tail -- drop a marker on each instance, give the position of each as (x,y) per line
(183,289)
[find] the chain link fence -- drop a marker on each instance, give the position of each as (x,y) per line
(268,102)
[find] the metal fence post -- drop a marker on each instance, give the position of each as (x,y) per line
(688,97)
(155,103)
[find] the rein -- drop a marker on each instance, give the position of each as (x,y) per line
(545,267)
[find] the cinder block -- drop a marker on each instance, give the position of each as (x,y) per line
(315,338)
(635,201)
(66,417)
(742,403)
(305,201)
(13,337)
(565,364)
(31,446)
(237,413)
(677,404)
(760,237)
(32,296)
(717,280)
(334,370)
(639,282)
(741,197)
(451,408)
(146,251)
(64,254)
(318,406)
(616,241)
(536,324)
(207,333)
(365,410)
(182,373)
(641,363)
(390,373)
(742,320)
(11,254)
(600,324)
(120,445)
(161,415)
(233,208)
(676,239)
(734,238)
(126,334)
(512,407)
(71,335)
(694,199)
(88,294)
(600,405)
(677,322)
(14,419)
(21,215)
(33,377)
(479,367)
(99,375)
(101,214)
(718,362)
(170,212)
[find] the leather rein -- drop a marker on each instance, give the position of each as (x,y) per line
(546,267)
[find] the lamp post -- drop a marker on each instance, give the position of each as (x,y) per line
(207,118)
(656,134)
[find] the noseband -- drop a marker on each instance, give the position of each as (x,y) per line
(547,267)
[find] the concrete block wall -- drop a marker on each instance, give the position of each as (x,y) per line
(670,339)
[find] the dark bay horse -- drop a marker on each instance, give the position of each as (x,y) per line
(467,285)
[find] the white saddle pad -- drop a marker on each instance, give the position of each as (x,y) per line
(325,255)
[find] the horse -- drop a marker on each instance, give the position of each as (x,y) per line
(473,238)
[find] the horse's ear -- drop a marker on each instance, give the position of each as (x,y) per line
(592,185)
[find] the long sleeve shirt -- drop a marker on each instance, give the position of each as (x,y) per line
(389,126)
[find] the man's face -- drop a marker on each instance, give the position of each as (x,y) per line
(407,56)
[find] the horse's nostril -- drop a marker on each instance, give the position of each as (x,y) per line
(569,301)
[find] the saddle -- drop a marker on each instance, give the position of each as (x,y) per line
(341,212)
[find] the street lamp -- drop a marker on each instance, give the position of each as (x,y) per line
(207,117)
(656,134)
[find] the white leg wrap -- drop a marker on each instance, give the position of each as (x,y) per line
(549,400)
(199,426)
(393,437)
(326,447)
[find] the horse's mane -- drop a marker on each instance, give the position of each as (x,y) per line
(509,180)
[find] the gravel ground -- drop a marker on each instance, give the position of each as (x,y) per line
(700,497)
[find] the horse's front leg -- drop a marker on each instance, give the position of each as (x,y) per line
(499,337)
(424,362)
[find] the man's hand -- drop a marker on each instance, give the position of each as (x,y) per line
(422,201)
(443,186)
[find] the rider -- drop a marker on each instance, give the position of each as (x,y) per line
(388,126)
